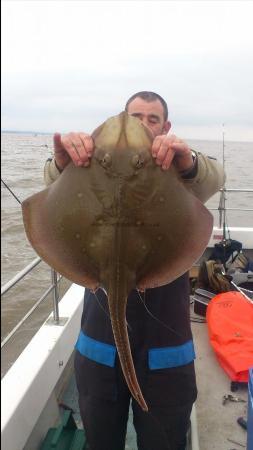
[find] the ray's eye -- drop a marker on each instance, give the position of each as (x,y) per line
(138,161)
(106,161)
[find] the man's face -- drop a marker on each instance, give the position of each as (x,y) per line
(151,114)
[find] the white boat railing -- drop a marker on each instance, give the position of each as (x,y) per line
(52,288)
(224,208)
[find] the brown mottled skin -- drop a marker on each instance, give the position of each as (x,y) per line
(121,223)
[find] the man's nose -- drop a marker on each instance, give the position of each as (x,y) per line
(147,124)
(145,121)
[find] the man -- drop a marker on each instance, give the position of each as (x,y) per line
(159,320)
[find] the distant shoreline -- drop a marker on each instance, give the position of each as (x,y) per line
(25,132)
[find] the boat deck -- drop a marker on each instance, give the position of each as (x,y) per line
(217,423)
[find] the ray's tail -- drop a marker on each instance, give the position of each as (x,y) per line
(117,298)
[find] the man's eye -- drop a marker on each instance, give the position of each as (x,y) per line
(153,120)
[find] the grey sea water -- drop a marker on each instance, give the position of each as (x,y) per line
(23,158)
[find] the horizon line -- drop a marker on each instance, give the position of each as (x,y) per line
(52,132)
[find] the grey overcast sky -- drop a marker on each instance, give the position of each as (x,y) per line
(69,65)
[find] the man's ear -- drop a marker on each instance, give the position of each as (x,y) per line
(166,127)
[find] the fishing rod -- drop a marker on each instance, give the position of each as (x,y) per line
(12,193)
(222,204)
(238,289)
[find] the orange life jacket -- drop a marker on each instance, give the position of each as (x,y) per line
(230,325)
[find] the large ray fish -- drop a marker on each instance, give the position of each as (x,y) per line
(121,223)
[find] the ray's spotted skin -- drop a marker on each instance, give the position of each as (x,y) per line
(121,223)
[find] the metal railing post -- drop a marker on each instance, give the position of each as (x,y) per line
(55,296)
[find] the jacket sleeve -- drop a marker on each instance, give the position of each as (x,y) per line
(208,178)
(51,172)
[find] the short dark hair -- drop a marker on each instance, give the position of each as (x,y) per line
(149,96)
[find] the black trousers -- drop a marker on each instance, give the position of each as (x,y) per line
(104,401)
